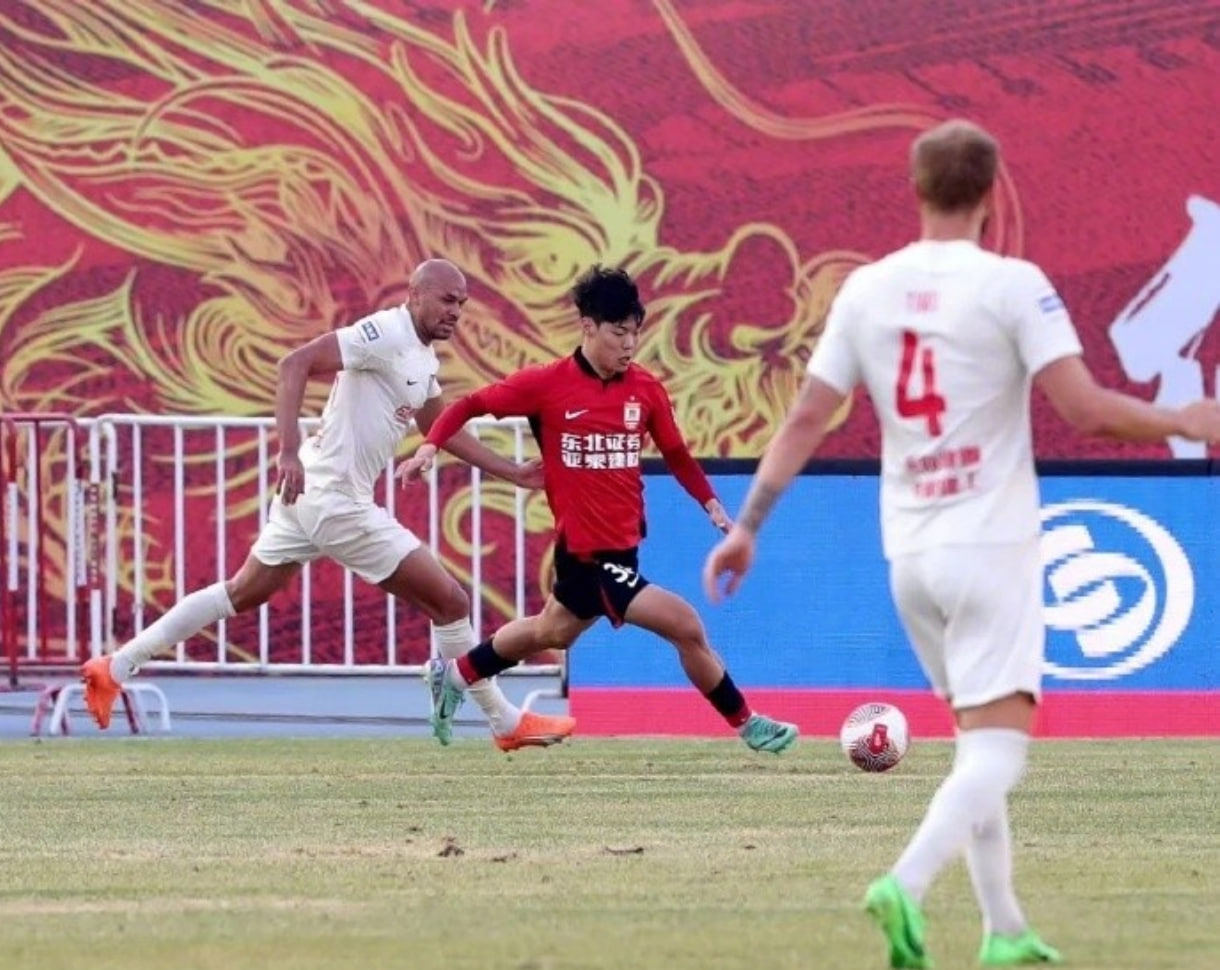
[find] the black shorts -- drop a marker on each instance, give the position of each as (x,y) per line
(600,584)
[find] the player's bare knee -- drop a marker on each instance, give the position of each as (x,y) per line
(551,634)
(688,636)
(242,597)
(255,583)
(449,605)
(1014,711)
(244,594)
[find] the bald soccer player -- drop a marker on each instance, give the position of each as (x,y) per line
(384,368)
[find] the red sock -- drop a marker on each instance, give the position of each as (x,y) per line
(729,702)
(482,662)
(466,669)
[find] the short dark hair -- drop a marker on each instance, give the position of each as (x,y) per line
(954,165)
(608,296)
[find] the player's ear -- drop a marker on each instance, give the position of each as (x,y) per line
(588,326)
(988,201)
(987,206)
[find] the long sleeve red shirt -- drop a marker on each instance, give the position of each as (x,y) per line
(591,433)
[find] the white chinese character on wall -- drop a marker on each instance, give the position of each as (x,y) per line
(1158,334)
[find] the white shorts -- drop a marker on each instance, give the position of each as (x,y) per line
(362,536)
(974,616)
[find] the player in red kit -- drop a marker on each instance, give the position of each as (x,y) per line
(592,414)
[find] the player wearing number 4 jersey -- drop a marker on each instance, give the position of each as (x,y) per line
(592,414)
(948,339)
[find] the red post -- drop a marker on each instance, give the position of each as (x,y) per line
(8,619)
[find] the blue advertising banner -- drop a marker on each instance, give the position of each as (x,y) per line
(1132,590)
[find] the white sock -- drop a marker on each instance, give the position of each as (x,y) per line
(188,616)
(455,639)
(987,766)
(989,858)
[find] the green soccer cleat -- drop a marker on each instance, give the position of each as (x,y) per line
(761,733)
(446,699)
(1024,950)
(901,920)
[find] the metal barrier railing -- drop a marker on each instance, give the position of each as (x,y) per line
(47,554)
(134,511)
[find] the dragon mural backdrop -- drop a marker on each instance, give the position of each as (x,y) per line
(190,187)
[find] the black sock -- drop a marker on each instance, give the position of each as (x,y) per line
(482,662)
(729,702)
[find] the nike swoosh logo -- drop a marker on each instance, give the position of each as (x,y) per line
(574,414)
(412,383)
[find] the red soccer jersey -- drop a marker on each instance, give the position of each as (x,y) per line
(591,433)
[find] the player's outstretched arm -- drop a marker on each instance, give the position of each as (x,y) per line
(681,463)
(318,358)
(793,445)
(472,451)
(514,396)
(797,439)
(443,427)
(1095,410)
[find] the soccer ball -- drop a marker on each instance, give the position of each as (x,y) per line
(875,736)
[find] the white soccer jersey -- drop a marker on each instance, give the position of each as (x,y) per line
(388,373)
(946,337)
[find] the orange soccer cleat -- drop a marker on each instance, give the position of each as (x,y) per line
(536,731)
(101,689)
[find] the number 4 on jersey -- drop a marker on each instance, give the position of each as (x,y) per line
(929,405)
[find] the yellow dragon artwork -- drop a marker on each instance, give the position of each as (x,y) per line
(217,181)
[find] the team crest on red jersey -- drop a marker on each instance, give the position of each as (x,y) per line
(631,415)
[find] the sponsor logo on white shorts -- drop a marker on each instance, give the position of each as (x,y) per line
(1117,583)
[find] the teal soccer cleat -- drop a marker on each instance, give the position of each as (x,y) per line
(446,699)
(761,733)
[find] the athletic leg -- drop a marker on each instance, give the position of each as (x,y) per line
(669,616)
(989,655)
(254,584)
(421,581)
(555,628)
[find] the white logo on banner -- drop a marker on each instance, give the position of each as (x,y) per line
(1086,599)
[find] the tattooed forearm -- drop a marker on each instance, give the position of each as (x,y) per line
(758,506)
